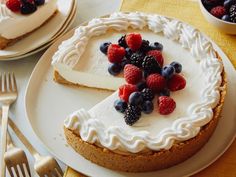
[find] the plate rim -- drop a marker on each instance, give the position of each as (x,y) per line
(67,35)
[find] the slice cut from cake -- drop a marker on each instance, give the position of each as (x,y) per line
(117,135)
(18,18)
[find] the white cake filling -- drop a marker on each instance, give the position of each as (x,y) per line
(80,57)
(14,25)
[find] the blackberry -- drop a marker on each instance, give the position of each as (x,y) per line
(122,41)
(147,94)
(132,114)
(150,65)
(232,13)
(124,62)
(136,59)
(145,46)
(128,53)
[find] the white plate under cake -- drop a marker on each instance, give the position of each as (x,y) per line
(155,141)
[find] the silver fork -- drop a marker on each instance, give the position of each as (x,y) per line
(44,165)
(8,95)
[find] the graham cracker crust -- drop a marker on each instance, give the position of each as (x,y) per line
(4,43)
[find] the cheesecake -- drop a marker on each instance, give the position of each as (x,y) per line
(157,139)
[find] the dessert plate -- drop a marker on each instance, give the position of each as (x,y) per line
(68,23)
(42,35)
(46,115)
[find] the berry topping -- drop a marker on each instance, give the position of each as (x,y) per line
(147,94)
(125,91)
(104,47)
(141,85)
(157,55)
(128,53)
(136,98)
(136,59)
(150,65)
(132,74)
(145,46)
(28,8)
(120,106)
(115,53)
(114,68)
(166,105)
(122,41)
(177,82)
(168,71)
(232,13)
(13,5)
(156,46)
(39,2)
(165,92)
(156,82)
(147,107)
(177,66)
(132,114)
(134,41)
(218,11)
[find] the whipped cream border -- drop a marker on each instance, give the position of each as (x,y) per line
(92,130)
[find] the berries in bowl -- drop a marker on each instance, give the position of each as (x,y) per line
(220,13)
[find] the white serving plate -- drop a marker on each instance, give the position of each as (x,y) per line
(66,26)
(42,35)
(48,103)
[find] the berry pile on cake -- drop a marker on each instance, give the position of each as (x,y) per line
(145,75)
(27,15)
(180,107)
(222,9)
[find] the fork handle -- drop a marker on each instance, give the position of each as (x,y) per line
(5,110)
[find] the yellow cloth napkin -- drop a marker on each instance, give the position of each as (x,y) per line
(187,11)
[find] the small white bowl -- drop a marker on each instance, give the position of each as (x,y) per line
(226,27)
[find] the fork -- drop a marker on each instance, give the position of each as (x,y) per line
(44,165)
(8,95)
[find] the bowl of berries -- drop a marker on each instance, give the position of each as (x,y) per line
(220,13)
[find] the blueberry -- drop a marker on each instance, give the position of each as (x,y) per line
(128,53)
(104,46)
(141,85)
(156,46)
(147,107)
(168,71)
(114,69)
(164,92)
(28,8)
(120,105)
(136,98)
(39,2)
(177,66)
(226,18)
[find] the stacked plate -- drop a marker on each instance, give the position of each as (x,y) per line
(44,36)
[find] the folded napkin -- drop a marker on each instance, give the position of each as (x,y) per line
(187,11)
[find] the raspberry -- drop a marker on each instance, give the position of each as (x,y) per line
(176,82)
(115,53)
(156,82)
(13,5)
(218,11)
(157,55)
(134,41)
(132,74)
(166,105)
(125,91)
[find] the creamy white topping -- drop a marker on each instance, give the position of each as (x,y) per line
(14,25)
(103,125)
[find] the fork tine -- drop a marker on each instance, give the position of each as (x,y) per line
(16,171)
(9,82)
(10,171)
(4,82)
(14,82)
(22,169)
(28,168)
